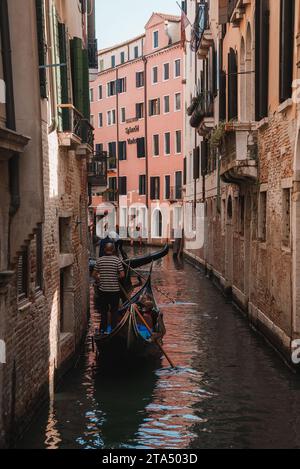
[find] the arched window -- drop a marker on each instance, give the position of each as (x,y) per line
(232,85)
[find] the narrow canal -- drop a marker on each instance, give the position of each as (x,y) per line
(230,390)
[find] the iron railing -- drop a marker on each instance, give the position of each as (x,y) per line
(97,169)
(71,120)
(205,108)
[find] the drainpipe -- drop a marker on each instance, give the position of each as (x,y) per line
(13,165)
(145,60)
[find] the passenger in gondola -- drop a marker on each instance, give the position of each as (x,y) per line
(108,272)
(152,316)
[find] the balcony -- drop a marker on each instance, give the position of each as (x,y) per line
(236,11)
(97,170)
(175,194)
(206,40)
(93,53)
(239,153)
(110,195)
(74,130)
(203,115)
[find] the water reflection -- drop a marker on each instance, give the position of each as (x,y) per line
(229,388)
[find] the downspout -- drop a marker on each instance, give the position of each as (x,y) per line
(13,165)
(146,129)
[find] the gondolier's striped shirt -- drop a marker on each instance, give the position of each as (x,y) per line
(109,268)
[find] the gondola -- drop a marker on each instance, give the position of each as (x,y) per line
(130,342)
(136,262)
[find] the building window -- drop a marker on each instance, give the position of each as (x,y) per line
(155,40)
(101,65)
(112,189)
(287,22)
(121,85)
(100,120)
(139,79)
(122,151)
(140,143)
(166,72)
(99,148)
(122,57)
(166,104)
(286,217)
(262,222)
(139,110)
(262,28)
(177,101)
(155,145)
(167,143)
(39,258)
(142,184)
(154,107)
(23,275)
(178,141)
(154,188)
(232,85)
(100,93)
(136,52)
(178,185)
(112,155)
(167,187)
(113,61)
(91,95)
(111,88)
(154,75)
(122,185)
(111,117)
(123,115)
(242,215)
(177,68)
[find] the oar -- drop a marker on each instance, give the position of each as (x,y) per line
(148,328)
(144,278)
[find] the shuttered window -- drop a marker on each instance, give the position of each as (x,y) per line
(232,85)
(178,184)
(204,157)
(167,187)
(140,143)
(154,107)
(142,184)
(222,108)
(139,79)
(122,150)
(23,275)
(184,170)
(77,73)
(123,185)
(196,158)
(64,94)
(287,21)
(262,28)
(40,19)
(154,188)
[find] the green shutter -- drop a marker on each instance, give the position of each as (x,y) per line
(64,92)
(77,72)
(86,89)
(40,19)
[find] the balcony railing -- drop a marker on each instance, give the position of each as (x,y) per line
(204,108)
(73,122)
(111,195)
(174,194)
(97,170)
(93,52)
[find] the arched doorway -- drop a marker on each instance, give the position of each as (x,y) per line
(157,224)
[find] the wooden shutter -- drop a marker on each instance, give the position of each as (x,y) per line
(122,185)
(287,21)
(64,92)
(40,20)
(204,157)
(196,158)
(232,85)
(184,170)
(77,72)
(178,184)
(222,107)
(262,59)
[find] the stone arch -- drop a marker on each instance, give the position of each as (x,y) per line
(157,223)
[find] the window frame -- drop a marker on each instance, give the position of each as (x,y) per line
(175,62)
(165,152)
(155,35)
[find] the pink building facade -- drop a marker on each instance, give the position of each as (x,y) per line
(137,110)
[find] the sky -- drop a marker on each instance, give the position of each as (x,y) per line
(120,20)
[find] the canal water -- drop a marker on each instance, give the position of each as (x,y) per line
(230,389)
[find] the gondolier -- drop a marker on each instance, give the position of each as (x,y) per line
(108,272)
